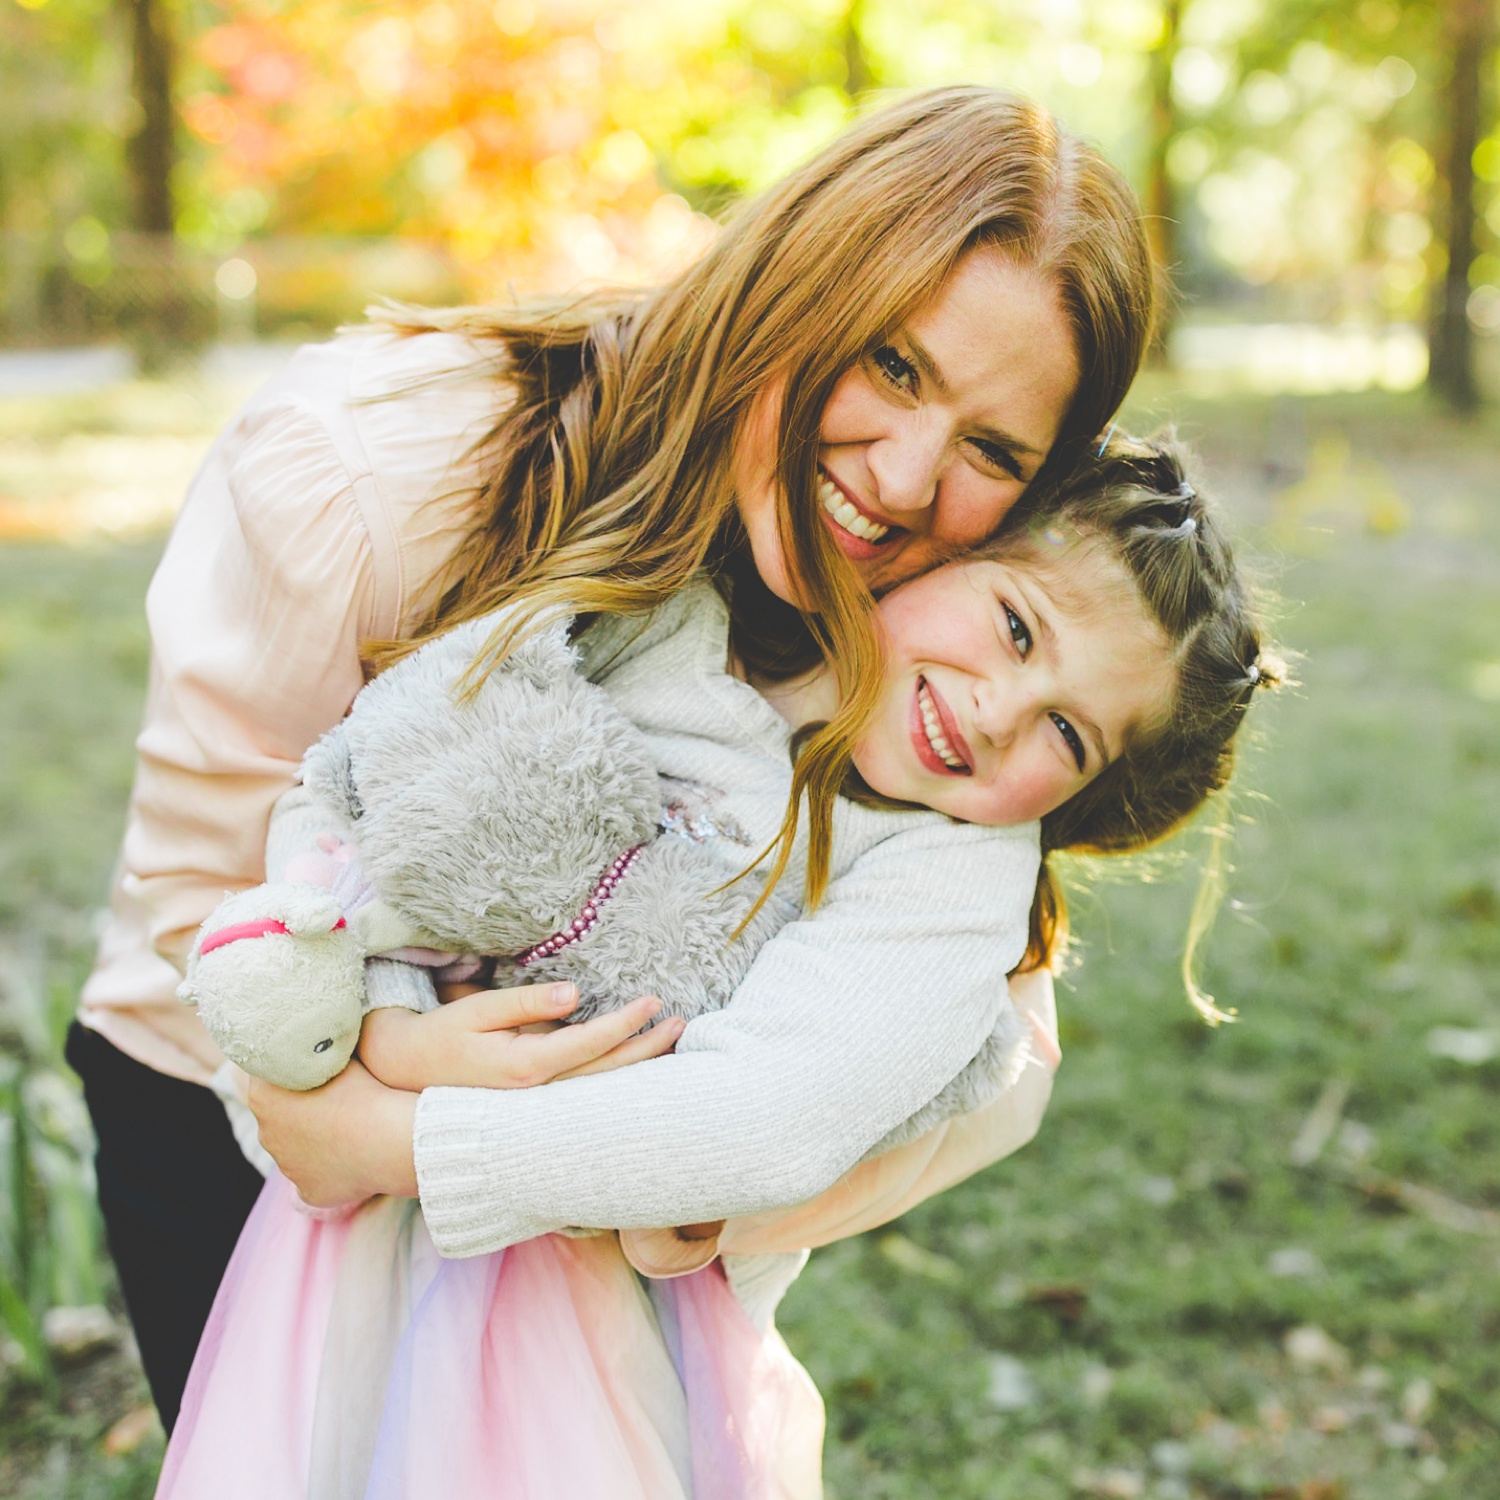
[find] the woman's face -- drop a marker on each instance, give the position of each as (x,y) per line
(932,436)
(1010,686)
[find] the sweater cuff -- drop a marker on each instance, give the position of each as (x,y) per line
(391,984)
(451,1149)
(761,1281)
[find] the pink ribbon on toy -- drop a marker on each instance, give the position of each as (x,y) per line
(261,928)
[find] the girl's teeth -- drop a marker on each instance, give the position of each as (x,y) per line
(935,737)
(831,498)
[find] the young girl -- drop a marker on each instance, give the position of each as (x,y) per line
(1088,670)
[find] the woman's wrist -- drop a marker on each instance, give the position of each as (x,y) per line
(392,1157)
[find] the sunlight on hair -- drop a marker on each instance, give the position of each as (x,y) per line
(1206,903)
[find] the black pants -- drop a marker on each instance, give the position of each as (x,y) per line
(175,1192)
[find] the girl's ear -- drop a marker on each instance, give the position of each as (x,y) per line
(328,773)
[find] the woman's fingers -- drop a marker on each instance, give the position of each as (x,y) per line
(660,1039)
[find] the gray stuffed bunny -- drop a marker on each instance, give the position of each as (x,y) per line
(523,820)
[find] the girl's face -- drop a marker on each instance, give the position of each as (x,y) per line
(930,439)
(1009,686)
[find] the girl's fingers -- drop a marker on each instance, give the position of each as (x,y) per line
(660,1039)
(506,1010)
(573,1047)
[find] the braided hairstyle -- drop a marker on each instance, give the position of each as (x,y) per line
(1134,499)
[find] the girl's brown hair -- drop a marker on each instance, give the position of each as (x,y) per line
(608,482)
(1135,501)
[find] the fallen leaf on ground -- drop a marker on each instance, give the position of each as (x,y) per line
(131,1431)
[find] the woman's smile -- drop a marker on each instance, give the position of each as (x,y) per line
(858,533)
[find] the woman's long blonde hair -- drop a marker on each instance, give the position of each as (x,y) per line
(607,482)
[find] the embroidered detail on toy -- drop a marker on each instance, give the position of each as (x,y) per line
(690,811)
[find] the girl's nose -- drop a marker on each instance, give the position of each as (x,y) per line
(1004,699)
(996,708)
(907,462)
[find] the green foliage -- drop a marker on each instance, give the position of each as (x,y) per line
(1293,143)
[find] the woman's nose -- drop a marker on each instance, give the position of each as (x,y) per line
(907,463)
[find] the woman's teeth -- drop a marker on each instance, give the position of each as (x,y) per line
(831,498)
(935,737)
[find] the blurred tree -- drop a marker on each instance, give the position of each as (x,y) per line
(64,105)
(1468,35)
(151,150)
(1161,196)
(859,76)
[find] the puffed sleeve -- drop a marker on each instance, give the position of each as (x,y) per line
(256,612)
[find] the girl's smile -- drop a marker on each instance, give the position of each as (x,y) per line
(939,745)
(1011,684)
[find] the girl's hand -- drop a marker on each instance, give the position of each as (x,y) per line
(508,1039)
(341,1143)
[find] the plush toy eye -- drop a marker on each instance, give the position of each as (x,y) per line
(324,1045)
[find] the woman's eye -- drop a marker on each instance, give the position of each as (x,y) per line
(1070,738)
(898,372)
(998,458)
(1018,631)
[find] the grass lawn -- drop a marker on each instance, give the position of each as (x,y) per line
(1254,1261)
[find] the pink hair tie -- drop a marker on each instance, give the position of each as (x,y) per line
(264,927)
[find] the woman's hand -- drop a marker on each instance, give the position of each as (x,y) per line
(343,1142)
(508,1039)
(1032,995)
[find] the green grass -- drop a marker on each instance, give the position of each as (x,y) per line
(1127,1285)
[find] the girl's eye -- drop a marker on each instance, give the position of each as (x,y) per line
(895,370)
(998,458)
(1018,631)
(1070,738)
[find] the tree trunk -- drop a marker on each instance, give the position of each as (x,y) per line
(1467,35)
(152,150)
(858,75)
(1161,196)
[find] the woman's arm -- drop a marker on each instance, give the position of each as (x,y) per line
(883,1187)
(846,1023)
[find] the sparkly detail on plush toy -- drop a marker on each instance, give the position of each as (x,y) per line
(693,812)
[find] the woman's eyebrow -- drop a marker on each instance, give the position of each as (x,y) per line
(988,430)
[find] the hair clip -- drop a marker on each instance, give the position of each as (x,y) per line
(1188,525)
(1185,491)
(1107,436)
(1253,673)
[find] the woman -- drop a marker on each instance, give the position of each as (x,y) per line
(864,374)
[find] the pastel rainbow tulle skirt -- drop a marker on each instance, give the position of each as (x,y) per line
(345,1360)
